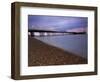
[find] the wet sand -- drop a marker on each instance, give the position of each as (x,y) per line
(42,54)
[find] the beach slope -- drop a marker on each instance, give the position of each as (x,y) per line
(42,54)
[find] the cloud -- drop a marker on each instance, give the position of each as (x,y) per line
(77,30)
(60,23)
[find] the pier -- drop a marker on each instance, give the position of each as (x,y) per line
(49,33)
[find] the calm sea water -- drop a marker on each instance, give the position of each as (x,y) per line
(76,44)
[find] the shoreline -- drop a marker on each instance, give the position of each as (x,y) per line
(42,54)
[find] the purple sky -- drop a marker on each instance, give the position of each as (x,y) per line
(58,23)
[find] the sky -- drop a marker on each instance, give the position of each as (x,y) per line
(57,23)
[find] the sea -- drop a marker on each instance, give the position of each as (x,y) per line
(76,44)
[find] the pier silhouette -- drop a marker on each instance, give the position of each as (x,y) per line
(34,32)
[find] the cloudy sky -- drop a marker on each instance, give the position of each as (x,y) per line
(57,23)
